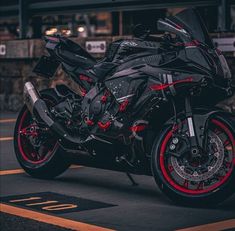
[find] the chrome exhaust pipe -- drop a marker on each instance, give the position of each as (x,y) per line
(39,109)
(36,105)
(30,95)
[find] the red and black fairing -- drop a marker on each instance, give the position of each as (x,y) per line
(196,50)
(111,111)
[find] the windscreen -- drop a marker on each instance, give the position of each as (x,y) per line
(191,21)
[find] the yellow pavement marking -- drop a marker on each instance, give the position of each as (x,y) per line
(75,166)
(10,172)
(19,171)
(41,203)
(49,219)
(7,120)
(217,226)
(6,138)
(25,199)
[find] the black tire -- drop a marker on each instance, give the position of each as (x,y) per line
(186,197)
(56,162)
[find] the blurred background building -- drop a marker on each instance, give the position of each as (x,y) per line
(94,24)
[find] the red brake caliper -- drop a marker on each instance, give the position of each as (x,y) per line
(29,131)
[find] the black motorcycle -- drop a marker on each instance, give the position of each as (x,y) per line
(146,108)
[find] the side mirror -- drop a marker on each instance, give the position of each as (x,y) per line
(171,27)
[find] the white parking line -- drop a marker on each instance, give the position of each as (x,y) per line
(7,120)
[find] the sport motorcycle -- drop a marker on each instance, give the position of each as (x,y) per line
(148,107)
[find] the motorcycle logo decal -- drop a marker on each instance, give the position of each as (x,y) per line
(129,43)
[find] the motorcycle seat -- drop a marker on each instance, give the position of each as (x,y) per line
(73,54)
(101,69)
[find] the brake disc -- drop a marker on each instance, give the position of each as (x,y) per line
(197,176)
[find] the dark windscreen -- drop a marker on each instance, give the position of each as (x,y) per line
(191,21)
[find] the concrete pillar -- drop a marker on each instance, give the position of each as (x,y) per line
(224,15)
(23,18)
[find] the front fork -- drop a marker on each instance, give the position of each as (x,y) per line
(196,126)
(194,138)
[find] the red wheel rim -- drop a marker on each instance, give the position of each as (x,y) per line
(26,149)
(182,189)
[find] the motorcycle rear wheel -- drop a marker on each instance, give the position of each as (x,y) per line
(36,149)
(208,182)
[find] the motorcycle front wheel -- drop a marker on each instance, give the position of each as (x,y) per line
(208,180)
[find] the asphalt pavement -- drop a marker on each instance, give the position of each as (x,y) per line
(93,199)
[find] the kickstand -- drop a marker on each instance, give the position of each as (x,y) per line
(131,179)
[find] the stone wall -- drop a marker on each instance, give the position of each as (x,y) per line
(22,55)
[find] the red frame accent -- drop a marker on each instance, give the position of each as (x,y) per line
(83,91)
(32,133)
(138,128)
(198,191)
(193,43)
(89,122)
(104,126)
(159,87)
(85,78)
(178,26)
(105,97)
(123,105)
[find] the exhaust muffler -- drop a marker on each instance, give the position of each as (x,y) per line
(39,109)
(36,105)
